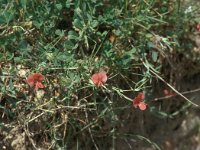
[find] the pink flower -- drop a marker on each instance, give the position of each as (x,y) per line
(99,78)
(139,101)
(36,80)
(168,93)
(198,27)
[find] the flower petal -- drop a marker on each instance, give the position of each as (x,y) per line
(198,27)
(30,81)
(136,102)
(166,92)
(142,106)
(99,78)
(38,77)
(103,77)
(141,95)
(95,79)
(39,85)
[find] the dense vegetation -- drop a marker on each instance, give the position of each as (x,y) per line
(70,68)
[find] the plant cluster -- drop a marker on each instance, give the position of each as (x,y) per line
(67,65)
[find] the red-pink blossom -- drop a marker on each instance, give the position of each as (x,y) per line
(139,101)
(198,27)
(99,78)
(168,93)
(35,80)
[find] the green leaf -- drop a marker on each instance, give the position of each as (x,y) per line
(68,3)
(73,35)
(94,23)
(150,45)
(61,56)
(197,20)
(68,45)
(59,6)
(23,3)
(59,33)
(18,59)
(9,56)
(6,17)
(1,56)
(77,24)
(154,56)
(2,19)
(37,24)
(9,16)
(24,47)
(148,35)
(133,51)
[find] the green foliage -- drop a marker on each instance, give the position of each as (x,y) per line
(67,41)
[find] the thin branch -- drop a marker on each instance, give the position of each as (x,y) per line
(169,85)
(95,145)
(186,92)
